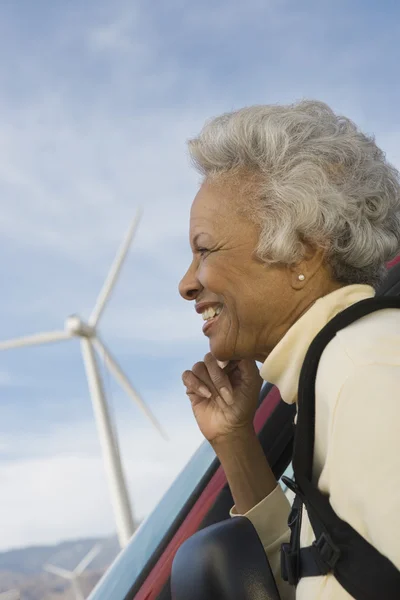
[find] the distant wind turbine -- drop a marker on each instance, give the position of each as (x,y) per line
(73,576)
(75,327)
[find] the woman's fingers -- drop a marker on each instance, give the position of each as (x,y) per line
(208,379)
(219,378)
(201,372)
(194,385)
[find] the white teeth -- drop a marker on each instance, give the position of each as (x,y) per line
(210,313)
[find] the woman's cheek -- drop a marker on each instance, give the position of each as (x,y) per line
(208,277)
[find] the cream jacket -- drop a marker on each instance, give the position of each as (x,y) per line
(357,433)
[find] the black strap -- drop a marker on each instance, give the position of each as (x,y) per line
(359,567)
(304,438)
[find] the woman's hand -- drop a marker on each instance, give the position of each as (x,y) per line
(224,401)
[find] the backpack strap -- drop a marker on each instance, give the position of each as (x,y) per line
(339,549)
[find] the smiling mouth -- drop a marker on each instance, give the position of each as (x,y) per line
(210,316)
(211,312)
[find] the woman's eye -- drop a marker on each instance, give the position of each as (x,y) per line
(202,251)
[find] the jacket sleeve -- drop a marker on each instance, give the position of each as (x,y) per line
(270,517)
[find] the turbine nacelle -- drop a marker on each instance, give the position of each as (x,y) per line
(75,326)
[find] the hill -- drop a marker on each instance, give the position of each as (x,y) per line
(23,568)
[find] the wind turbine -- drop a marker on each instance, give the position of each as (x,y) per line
(75,327)
(73,576)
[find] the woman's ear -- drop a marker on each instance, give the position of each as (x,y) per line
(312,263)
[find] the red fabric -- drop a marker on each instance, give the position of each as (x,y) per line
(393,262)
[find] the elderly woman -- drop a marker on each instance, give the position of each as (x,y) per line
(297,214)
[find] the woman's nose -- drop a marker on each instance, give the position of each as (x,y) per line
(189,286)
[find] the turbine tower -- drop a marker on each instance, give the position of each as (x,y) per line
(73,576)
(87,332)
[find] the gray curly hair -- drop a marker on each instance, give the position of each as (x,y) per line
(317,179)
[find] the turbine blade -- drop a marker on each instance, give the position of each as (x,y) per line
(58,571)
(112,276)
(126,385)
(85,562)
(36,340)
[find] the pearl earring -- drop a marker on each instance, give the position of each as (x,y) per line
(301,277)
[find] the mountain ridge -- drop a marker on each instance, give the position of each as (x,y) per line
(23,568)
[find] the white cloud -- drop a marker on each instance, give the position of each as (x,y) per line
(74,167)
(62,493)
(73,187)
(93,122)
(75,223)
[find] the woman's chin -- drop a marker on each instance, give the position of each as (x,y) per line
(224,353)
(220,352)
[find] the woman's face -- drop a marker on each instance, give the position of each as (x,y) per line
(248,305)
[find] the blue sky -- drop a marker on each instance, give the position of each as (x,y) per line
(97,102)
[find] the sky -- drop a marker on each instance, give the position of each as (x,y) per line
(97,102)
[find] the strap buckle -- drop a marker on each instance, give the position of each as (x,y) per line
(327,552)
(290,561)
